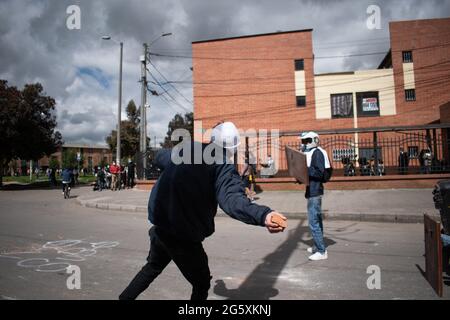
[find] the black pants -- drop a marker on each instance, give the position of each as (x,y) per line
(189,257)
(130,181)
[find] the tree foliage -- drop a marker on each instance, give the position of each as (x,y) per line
(27,124)
(179,122)
(69,159)
(129,133)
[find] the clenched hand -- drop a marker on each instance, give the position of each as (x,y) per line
(271,223)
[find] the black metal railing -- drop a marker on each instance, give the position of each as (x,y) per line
(374,154)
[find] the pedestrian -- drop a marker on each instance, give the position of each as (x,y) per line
(100,179)
(319,171)
(131,173)
(248,176)
(75,175)
(114,171)
(425,160)
(403,162)
(182,207)
(53,177)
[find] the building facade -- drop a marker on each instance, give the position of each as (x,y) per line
(90,157)
(268,82)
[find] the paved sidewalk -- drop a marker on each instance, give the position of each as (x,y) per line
(391,205)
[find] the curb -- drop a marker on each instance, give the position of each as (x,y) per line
(334,216)
(110,206)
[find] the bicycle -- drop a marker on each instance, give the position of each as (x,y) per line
(66,189)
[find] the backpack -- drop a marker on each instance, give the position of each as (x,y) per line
(328,173)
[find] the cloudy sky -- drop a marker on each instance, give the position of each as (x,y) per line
(80,70)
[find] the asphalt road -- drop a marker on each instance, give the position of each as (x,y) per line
(41,234)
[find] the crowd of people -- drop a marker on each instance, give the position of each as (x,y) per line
(115,177)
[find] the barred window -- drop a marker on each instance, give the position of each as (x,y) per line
(413,152)
(299,65)
(301,101)
(341,105)
(338,154)
(410,95)
(407,56)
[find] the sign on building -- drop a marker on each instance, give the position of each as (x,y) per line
(370,104)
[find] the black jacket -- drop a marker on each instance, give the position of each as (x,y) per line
(184,200)
(316,173)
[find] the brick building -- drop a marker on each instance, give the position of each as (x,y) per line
(91,156)
(267,81)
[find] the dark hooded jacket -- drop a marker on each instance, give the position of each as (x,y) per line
(184,200)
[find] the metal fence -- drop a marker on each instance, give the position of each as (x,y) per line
(382,153)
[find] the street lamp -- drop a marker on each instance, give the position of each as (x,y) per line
(162,35)
(118,157)
(143,134)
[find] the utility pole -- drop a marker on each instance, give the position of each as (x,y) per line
(119,112)
(143,125)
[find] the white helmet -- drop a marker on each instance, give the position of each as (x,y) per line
(226,135)
(312,139)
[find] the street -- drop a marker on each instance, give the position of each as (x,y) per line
(41,234)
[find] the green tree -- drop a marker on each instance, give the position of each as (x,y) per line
(69,159)
(129,133)
(27,124)
(179,122)
(53,163)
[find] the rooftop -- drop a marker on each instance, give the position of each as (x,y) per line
(85,146)
(254,35)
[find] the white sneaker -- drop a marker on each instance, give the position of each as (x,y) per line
(318,256)
(63,192)
(311,250)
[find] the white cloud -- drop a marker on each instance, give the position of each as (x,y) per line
(35,45)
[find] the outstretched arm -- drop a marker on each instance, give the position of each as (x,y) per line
(231,196)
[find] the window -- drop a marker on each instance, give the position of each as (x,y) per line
(301,101)
(341,105)
(338,154)
(410,95)
(299,65)
(413,152)
(367,104)
(407,56)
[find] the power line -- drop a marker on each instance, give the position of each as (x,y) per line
(165,91)
(289,58)
(170,84)
(315,87)
(427,83)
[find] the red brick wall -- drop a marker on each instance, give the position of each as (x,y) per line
(430,45)
(253,81)
(445,118)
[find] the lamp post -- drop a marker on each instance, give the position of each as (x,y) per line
(144,104)
(119,119)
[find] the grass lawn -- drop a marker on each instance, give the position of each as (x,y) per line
(26,179)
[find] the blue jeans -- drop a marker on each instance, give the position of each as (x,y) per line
(315,222)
